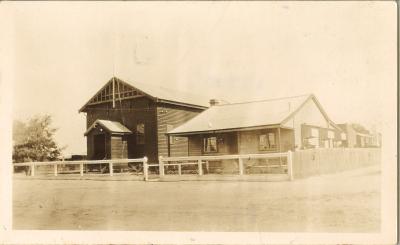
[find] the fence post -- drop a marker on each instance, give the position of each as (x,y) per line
(33,169)
(240,166)
(161,166)
(55,169)
(81,169)
(290,164)
(111,168)
(145,169)
(200,167)
(180,169)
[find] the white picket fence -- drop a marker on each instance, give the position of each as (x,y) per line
(197,161)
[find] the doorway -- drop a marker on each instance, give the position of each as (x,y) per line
(99,146)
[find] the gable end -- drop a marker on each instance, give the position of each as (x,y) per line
(115,89)
(316,102)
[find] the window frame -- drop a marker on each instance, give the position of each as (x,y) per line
(205,139)
(139,135)
(268,146)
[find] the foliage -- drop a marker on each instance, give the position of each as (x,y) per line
(34,140)
(359,128)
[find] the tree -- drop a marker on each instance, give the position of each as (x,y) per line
(34,140)
(359,128)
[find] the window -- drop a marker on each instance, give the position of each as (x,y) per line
(263,142)
(271,140)
(140,132)
(331,134)
(267,141)
(210,144)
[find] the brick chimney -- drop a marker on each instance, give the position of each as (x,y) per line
(214,102)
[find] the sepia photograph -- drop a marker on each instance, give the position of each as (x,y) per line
(199,122)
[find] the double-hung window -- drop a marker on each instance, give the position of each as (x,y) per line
(267,141)
(210,144)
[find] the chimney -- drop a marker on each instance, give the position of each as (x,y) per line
(214,102)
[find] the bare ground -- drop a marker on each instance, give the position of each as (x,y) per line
(345,202)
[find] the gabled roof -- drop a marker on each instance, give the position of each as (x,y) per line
(246,115)
(110,126)
(157,93)
(169,95)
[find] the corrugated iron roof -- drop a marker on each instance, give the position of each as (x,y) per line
(243,115)
(169,94)
(111,126)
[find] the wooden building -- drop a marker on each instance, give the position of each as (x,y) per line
(359,137)
(276,125)
(126,120)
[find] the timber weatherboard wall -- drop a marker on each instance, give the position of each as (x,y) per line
(241,142)
(173,116)
(130,113)
(249,140)
(118,101)
(119,147)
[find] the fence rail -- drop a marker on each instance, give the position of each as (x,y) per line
(55,164)
(201,160)
(297,164)
(197,162)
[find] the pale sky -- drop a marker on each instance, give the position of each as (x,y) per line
(343,52)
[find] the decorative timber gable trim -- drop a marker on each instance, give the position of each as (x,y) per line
(116,89)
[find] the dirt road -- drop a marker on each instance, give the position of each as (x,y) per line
(345,202)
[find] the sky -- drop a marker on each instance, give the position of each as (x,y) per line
(64,52)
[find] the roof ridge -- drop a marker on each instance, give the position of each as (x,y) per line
(200,100)
(134,82)
(264,100)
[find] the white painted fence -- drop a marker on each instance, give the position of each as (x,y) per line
(55,164)
(164,162)
(199,161)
